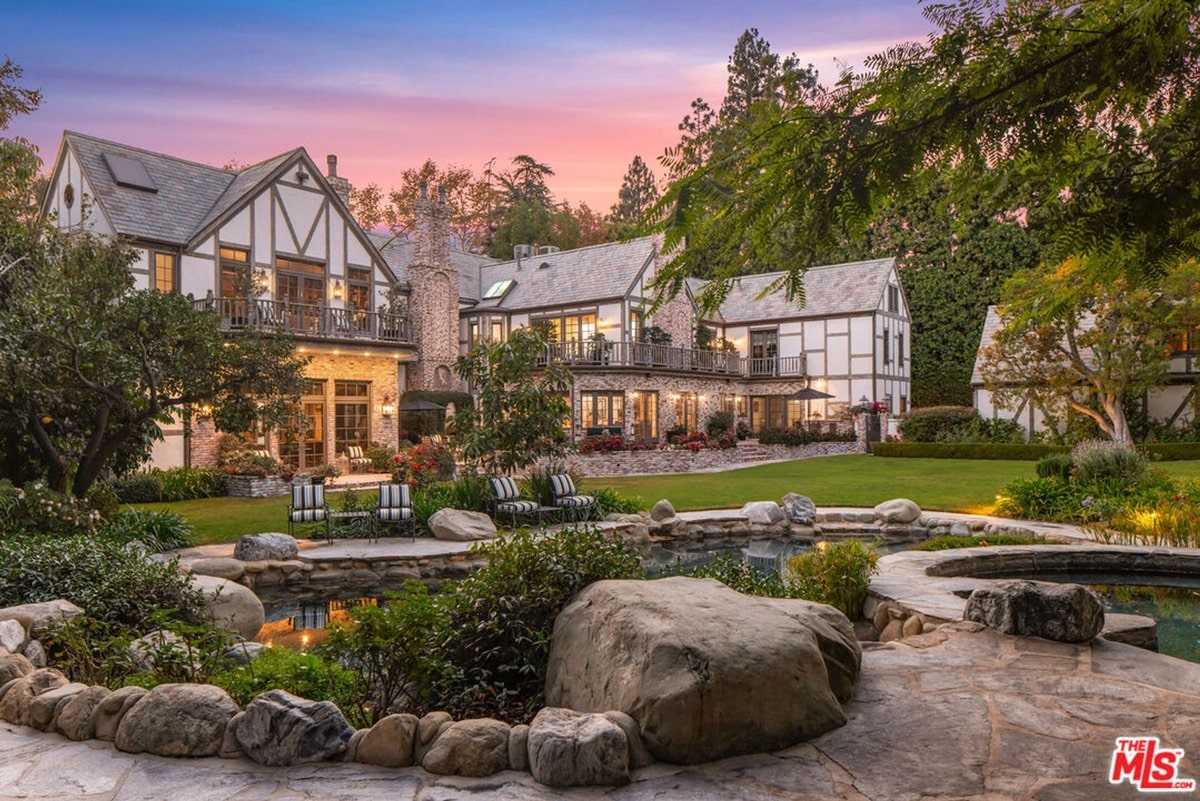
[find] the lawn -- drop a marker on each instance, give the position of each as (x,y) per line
(956,485)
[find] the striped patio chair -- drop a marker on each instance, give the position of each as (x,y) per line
(507,500)
(356,457)
(395,507)
(568,499)
(308,506)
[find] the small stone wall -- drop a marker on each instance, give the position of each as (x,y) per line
(624,463)
(256,486)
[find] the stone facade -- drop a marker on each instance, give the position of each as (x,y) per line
(433,304)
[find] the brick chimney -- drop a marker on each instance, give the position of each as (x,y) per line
(340,185)
(433,302)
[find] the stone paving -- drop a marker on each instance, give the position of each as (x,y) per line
(956,714)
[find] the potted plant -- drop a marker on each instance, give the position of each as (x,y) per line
(319,474)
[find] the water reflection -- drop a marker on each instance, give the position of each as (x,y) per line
(302,624)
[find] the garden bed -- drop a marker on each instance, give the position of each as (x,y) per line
(625,463)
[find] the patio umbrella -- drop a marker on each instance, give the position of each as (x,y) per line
(808,394)
(427,411)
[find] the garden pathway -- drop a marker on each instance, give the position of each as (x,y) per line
(957,714)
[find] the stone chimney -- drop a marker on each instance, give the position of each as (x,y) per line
(340,185)
(433,301)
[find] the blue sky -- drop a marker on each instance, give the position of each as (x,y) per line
(581,86)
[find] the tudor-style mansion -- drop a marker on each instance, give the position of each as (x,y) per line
(275,245)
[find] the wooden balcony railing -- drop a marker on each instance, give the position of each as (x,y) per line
(308,320)
(590,354)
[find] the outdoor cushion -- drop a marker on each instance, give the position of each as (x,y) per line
(393,496)
(395,513)
(574,501)
(505,489)
(519,507)
(307,496)
(562,485)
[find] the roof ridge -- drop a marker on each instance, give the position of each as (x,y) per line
(596,246)
(149,152)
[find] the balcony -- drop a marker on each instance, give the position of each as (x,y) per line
(643,355)
(309,321)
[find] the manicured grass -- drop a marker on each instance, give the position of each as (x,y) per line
(955,485)
(949,485)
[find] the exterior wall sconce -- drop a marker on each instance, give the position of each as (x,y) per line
(387,408)
(337,290)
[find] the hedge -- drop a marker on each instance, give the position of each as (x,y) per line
(1171,451)
(1155,451)
(965,450)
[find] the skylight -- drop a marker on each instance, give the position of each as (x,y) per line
(498,289)
(129,172)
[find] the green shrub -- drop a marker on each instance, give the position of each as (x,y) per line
(609,501)
(719,423)
(142,487)
(429,500)
(1172,451)
(1043,499)
(981,430)
(799,435)
(735,574)
(380,456)
(966,450)
(10,506)
(496,644)
(472,492)
(1099,460)
(1055,465)
(92,652)
(190,483)
(392,649)
(946,542)
(304,674)
(934,422)
(116,585)
(536,485)
(42,511)
(837,574)
(157,530)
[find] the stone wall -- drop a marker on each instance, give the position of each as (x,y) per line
(256,487)
(433,302)
(623,463)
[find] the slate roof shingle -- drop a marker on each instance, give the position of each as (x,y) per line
(570,277)
(398,253)
(187,191)
(832,289)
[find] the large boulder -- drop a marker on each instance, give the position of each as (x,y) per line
(42,615)
(282,729)
(18,699)
(836,641)
(1063,612)
(898,510)
(112,710)
(177,720)
(705,671)
(663,510)
(459,525)
(12,636)
(231,606)
(799,509)
(75,720)
(476,747)
(763,513)
(45,708)
(577,749)
(389,743)
(219,566)
(271,546)
(14,666)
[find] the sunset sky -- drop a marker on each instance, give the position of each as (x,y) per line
(580,86)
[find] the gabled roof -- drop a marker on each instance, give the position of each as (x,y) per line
(186,191)
(398,253)
(991,325)
(569,277)
(244,182)
(829,290)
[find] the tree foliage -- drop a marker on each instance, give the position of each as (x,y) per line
(472,200)
(90,366)
(1087,337)
(520,405)
(1085,113)
(635,198)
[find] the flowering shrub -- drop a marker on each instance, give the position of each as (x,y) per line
(423,465)
(868,408)
(41,510)
(696,441)
(251,464)
(603,443)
